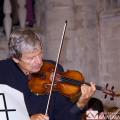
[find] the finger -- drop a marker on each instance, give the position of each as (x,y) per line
(39,117)
(83,88)
(43,117)
(93,86)
(87,91)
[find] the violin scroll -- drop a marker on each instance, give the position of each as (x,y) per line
(110,92)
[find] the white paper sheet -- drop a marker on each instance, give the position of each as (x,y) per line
(12,104)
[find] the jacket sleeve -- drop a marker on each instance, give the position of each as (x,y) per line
(70,113)
(66,110)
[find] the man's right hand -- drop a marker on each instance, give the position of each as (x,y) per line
(39,117)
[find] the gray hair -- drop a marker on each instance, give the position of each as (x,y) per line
(23,41)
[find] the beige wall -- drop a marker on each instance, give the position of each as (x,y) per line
(89,45)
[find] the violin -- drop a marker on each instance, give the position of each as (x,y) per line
(67,83)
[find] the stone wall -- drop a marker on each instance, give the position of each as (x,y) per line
(86,43)
(109,59)
(80,48)
(3,48)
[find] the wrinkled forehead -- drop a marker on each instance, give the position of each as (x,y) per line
(30,47)
(32,53)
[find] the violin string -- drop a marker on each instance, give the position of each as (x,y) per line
(72,81)
(53,78)
(78,83)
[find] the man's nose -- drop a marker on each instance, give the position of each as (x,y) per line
(38,59)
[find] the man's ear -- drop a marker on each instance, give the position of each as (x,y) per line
(15,60)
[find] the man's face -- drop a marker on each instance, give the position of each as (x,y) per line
(31,61)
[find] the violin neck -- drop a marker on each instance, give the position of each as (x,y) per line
(78,83)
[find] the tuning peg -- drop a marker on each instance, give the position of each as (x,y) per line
(105,96)
(112,88)
(106,85)
(112,98)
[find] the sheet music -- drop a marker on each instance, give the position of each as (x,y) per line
(12,104)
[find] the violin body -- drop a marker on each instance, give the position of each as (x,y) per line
(40,82)
(67,82)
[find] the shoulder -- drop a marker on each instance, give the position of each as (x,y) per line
(6,65)
(5,62)
(4,70)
